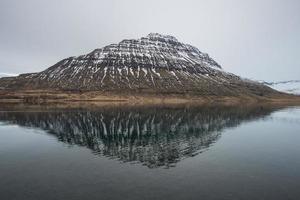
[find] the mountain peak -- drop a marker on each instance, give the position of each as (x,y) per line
(158,36)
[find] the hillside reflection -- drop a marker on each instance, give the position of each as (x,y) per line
(153,136)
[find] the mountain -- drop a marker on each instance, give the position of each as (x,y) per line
(155,64)
(292,86)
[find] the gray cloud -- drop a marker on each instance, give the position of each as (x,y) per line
(255,39)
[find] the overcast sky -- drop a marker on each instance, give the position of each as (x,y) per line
(258,39)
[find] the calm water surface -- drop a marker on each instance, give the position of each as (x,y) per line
(150,153)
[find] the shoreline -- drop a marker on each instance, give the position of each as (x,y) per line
(106,98)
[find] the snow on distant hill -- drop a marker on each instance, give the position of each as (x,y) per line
(7,74)
(292,86)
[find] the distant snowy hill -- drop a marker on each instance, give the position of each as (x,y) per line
(7,74)
(292,86)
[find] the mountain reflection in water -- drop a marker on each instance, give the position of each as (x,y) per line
(153,136)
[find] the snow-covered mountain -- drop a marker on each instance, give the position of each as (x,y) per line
(292,86)
(152,64)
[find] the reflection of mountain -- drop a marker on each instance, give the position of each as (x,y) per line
(153,136)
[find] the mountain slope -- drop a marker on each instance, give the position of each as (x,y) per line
(152,64)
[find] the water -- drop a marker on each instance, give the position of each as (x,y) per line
(150,153)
